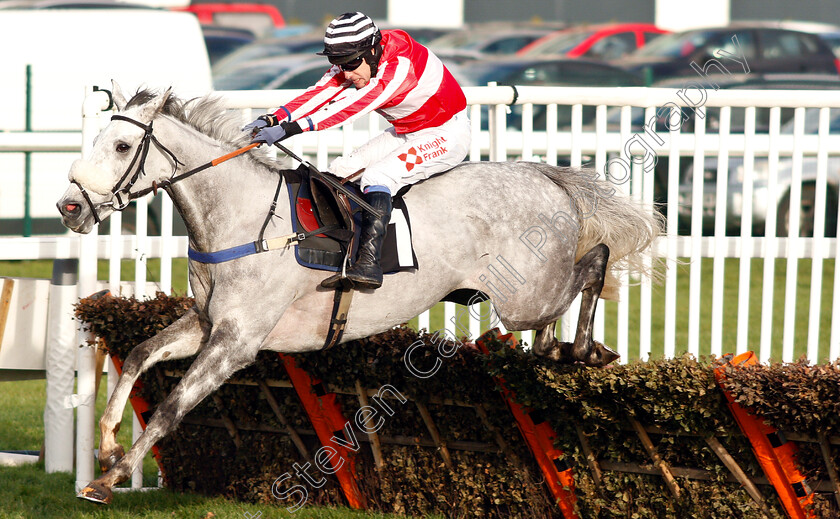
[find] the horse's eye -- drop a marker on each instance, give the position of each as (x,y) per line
(123,147)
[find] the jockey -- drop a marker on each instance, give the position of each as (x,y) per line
(390,73)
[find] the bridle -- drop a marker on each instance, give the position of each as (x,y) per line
(121,192)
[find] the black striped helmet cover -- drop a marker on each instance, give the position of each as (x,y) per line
(350,35)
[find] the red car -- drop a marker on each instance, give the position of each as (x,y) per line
(606,42)
(255,17)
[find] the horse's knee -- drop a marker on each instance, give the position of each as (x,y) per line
(107,428)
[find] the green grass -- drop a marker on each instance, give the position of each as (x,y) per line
(43,269)
(28,492)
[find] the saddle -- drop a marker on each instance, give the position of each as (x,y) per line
(327,224)
(330,222)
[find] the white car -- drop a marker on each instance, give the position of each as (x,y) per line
(68,49)
(761,196)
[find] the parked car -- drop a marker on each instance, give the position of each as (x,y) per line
(766,50)
(478,41)
(304,44)
(60,72)
(293,71)
(832,39)
(260,19)
(422,35)
(549,71)
(751,81)
(545,71)
(761,199)
(828,32)
(221,41)
(712,114)
(606,41)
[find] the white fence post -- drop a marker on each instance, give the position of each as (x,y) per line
(94,103)
(61,335)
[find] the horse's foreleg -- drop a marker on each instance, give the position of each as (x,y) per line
(225,353)
(181,339)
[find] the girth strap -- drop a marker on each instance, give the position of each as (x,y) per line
(254,247)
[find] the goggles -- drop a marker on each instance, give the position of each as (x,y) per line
(351,65)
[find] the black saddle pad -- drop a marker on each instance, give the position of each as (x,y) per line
(311,211)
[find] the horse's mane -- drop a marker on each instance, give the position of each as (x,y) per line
(207,115)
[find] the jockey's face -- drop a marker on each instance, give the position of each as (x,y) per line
(360,76)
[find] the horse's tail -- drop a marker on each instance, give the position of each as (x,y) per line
(607,216)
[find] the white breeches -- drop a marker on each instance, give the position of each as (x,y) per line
(395,160)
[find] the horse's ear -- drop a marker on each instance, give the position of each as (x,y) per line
(117,96)
(163,98)
(157,103)
(154,106)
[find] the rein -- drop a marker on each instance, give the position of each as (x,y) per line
(215,162)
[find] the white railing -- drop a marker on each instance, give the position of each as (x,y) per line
(718,320)
(613,133)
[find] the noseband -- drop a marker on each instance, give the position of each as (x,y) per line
(121,194)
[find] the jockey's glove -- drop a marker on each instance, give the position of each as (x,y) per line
(261,122)
(275,134)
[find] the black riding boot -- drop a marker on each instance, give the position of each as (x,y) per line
(366,272)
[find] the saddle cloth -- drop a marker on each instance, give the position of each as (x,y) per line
(315,206)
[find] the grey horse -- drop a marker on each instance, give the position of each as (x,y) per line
(530,236)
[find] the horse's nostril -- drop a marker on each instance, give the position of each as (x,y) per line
(70,209)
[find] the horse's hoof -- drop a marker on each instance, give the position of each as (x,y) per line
(601,355)
(97,493)
(108,461)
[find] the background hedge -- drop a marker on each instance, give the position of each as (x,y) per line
(676,395)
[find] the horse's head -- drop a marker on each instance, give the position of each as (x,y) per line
(126,158)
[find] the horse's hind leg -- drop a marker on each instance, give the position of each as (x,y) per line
(225,353)
(593,271)
(588,280)
(179,340)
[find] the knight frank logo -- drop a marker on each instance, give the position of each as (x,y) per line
(422,152)
(411,158)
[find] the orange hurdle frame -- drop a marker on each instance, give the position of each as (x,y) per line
(775,455)
(539,436)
